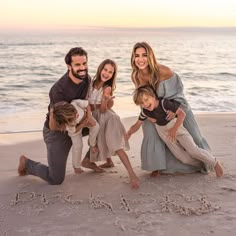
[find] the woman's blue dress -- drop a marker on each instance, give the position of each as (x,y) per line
(154,153)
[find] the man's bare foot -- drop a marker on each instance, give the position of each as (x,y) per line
(219,169)
(21,166)
(134,182)
(91,165)
(155,173)
(94,149)
(78,170)
(109,164)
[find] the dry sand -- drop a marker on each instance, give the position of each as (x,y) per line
(104,204)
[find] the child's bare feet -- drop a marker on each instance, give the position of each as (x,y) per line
(155,173)
(134,182)
(91,165)
(21,166)
(219,169)
(78,170)
(108,164)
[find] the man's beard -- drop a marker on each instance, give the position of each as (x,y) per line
(77,76)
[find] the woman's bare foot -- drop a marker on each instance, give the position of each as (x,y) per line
(78,170)
(219,169)
(155,173)
(134,182)
(21,166)
(91,165)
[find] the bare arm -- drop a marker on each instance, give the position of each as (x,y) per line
(52,123)
(170,115)
(180,119)
(90,118)
(80,126)
(165,72)
(134,128)
(106,99)
(110,102)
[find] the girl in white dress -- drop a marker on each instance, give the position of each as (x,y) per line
(111,139)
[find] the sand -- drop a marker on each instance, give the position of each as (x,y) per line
(104,204)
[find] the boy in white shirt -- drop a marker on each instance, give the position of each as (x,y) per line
(72,117)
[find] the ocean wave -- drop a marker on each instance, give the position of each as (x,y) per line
(227,74)
(209,78)
(28,44)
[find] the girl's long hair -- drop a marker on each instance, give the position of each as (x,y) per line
(111,82)
(153,66)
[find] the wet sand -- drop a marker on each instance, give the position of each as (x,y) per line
(104,204)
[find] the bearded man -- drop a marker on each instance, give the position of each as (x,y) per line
(74,84)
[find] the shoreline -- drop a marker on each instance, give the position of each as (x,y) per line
(9,123)
(20,136)
(14,137)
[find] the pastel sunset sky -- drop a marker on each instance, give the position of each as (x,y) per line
(69,14)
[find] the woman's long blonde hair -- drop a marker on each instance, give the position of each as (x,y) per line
(153,66)
(111,82)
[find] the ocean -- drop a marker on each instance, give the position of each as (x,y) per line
(30,63)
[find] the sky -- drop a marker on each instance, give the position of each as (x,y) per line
(69,14)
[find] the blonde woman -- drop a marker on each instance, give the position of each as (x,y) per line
(146,70)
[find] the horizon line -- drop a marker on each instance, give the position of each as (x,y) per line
(118,28)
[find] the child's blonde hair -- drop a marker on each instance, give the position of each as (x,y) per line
(143,90)
(64,114)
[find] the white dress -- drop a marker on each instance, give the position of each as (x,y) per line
(111,136)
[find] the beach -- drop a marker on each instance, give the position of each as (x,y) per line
(203,58)
(104,203)
(197,42)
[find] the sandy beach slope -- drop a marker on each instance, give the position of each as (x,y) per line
(103,204)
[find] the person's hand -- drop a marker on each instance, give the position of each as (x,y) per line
(90,120)
(110,102)
(172,134)
(170,115)
(127,135)
(153,120)
(109,98)
(86,123)
(134,182)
